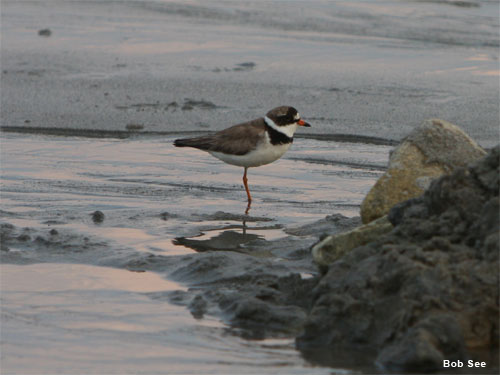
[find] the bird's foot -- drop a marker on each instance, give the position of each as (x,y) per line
(248,207)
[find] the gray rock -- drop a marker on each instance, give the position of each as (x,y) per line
(445,144)
(435,148)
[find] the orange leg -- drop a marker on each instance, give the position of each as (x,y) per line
(245,182)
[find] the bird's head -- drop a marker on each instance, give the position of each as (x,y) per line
(285,120)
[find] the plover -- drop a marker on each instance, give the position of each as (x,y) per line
(253,143)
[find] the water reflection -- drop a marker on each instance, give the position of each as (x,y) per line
(234,237)
(228,240)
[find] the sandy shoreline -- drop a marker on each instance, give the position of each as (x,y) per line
(167,68)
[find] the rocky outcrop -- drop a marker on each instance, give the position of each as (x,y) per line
(435,148)
(428,290)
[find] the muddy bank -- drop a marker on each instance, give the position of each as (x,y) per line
(259,287)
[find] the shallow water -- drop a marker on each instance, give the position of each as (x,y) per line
(80,319)
(126,177)
(66,312)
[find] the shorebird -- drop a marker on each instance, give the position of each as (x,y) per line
(253,143)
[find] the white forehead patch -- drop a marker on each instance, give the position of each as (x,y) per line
(297,116)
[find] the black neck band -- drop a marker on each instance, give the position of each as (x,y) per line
(278,138)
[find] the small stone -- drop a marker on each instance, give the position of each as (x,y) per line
(98,217)
(45,32)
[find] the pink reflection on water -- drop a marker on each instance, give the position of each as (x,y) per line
(61,277)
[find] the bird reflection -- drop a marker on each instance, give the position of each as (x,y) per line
(226,240)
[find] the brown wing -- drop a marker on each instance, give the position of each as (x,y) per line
(237,140)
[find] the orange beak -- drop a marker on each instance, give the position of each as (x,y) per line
(303,123)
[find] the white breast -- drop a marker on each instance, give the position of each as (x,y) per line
(264,153)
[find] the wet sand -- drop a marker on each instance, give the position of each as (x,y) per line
(362,68)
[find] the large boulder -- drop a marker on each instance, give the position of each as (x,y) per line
(428,290)
(435,148)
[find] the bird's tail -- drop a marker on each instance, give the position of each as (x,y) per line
(181,143)
(201,143)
